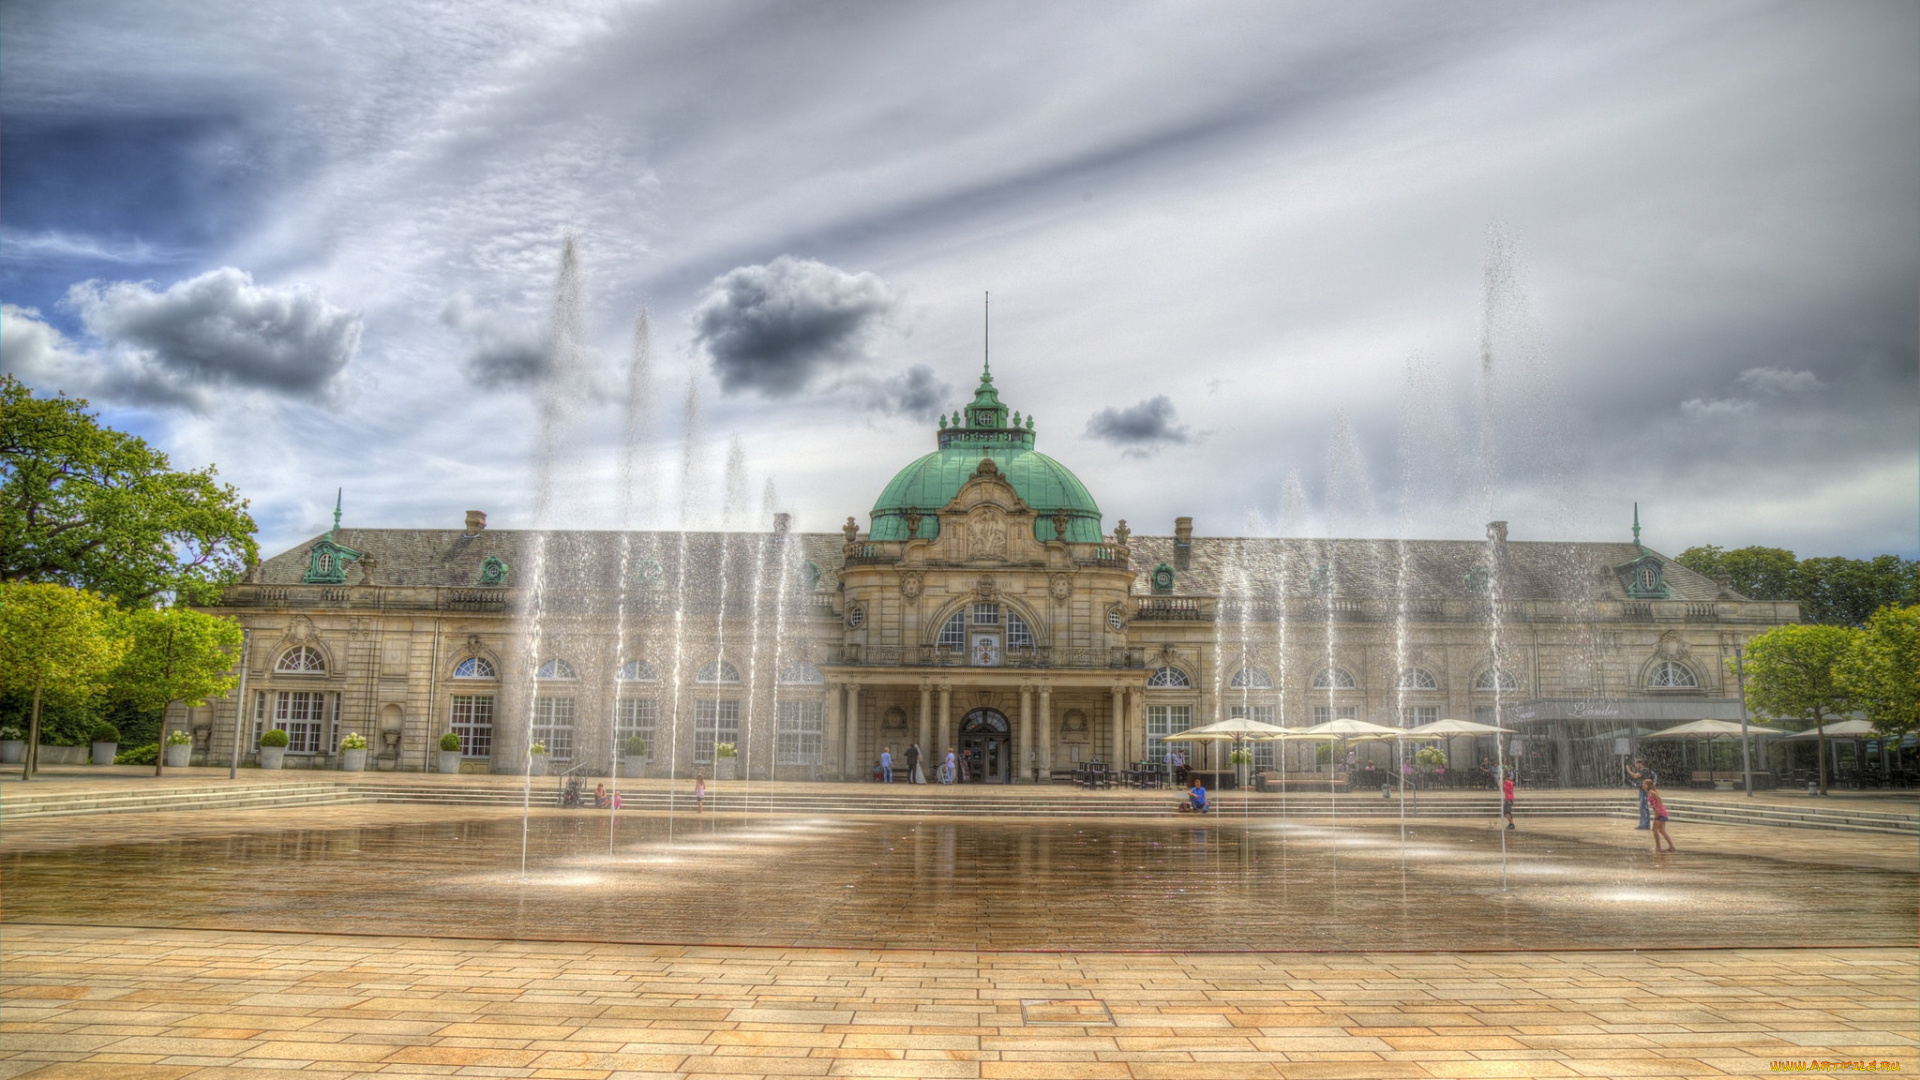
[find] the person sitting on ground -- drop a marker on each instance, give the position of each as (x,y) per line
(1196,799)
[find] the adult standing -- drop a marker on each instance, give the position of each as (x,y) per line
(913,764)
(886,765)
(1638,774)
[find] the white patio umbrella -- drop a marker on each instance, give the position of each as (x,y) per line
(1839,729)
(1446,729)
(1346,728)
(1713,729)
(1237,730)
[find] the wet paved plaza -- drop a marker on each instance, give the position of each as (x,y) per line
(1028,884)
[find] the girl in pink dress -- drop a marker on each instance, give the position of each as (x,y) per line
(1659,816)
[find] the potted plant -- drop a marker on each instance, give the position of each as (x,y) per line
(178,749)
(106,743)
(13,745)
(449,756)
(723,759)
(353,752)
(1241,759)
(537,759)
(273,748)
(1429,758)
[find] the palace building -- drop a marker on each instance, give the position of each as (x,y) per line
(988,606)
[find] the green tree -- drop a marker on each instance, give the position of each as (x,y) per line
(1881,670)
(1846,592)
(176,654)
(1762,573)
(55,637)
(1791,676)
(89,507)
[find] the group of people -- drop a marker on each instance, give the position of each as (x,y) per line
(954,767)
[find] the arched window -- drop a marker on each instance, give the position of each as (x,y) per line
(1418,679)
(302,660)
(555,669)
(719,672)
(638,671)
(1251,678)
(1019,634)
(954,634)
(1168,678)
(1671,675)
(475,667)
(802,673)
(1494,677)
(1335,679)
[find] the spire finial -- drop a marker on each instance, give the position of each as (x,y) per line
(986,338)
(1636,528)
(336,512)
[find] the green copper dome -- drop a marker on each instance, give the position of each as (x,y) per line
(982,429)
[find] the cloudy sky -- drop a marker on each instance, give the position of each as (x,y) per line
(1369,269)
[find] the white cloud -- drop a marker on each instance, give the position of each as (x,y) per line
(1715,408)
(1773,380)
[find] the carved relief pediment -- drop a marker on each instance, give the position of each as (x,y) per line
(986,534)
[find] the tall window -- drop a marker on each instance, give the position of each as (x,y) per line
(1168,678)
(1263,757)
(1019,634)
(1335,679)
(475,667)
(1164,720)
(719,672)
(302,660)
(714,722)
(1251,678)
(1493,677)
(1326,714)
(986,614)
(954,634)
(636,716)
(302,715)
(473,722)
(553,725)
(555,669)
(638,671)
(1416,715)
(801,674)
(1418,679)
(801,733)
(1670,675)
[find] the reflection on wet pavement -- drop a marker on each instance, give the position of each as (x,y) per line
(1029,884)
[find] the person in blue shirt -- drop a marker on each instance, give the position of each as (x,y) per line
(886,765)
(1197,799)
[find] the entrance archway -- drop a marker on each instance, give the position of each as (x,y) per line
(986,745)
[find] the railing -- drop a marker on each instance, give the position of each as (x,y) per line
(1169,609)
(1637,611)
(1106,555)
(1703,612)
(1044,657)
(870,555)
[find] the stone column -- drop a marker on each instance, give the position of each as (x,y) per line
(1046,732)
(851,747)
(830,744)
(926,727)
(1119,725)
(946,721)
(1022,760)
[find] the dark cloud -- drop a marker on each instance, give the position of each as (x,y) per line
(1141,428)
(774,328)
(500,353)
(220,329)
(915,392)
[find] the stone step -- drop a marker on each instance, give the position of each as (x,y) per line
(328,796)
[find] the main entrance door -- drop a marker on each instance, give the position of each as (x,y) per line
(986,745)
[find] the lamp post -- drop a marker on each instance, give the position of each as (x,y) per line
(239,712)
(1746,760)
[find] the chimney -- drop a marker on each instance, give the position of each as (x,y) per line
(1182,543)
(781,523)
(476,520)
(1497,532)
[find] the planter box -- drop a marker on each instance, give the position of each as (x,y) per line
(272,757)
(179,757)
(537,765)
(447,761)
(103,752)
(353,760)
(724,768)
(13,751)
(63,755)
